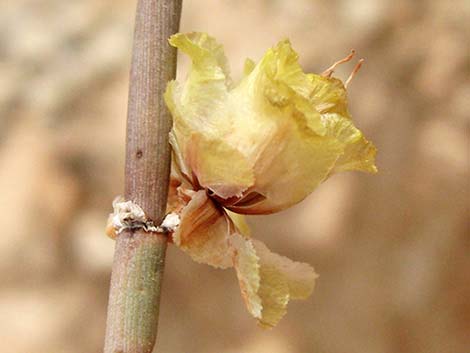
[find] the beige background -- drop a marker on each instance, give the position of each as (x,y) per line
(392,250)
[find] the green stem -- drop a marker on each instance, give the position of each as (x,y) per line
(139,259)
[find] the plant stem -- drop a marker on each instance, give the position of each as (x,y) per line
(139,258)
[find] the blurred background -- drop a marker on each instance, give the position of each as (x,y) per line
(392,250)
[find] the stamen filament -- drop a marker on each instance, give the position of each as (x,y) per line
(328,72)
(354,72)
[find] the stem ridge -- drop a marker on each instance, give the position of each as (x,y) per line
(139,258)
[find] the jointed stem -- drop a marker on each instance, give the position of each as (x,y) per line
(139,257)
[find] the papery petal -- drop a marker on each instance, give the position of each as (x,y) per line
(281,279)
(318,138)
(299,276)
(208,57)
(203,232)
(177,159)
(279,78)
(268,281)
(359,154)
(246,263)
(263,136)
(280,132)
(192,103)
(328,95)
(267,143)
(240,223)
(218,166)
(289,168)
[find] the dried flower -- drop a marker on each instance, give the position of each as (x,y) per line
(257,147)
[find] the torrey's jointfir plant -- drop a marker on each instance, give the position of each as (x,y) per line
(256,147)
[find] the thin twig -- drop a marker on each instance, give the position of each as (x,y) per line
(139,256)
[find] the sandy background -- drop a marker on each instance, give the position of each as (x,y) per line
(392,249)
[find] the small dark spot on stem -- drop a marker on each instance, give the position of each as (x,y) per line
(139,154)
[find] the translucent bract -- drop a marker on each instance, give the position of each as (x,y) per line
(256,147)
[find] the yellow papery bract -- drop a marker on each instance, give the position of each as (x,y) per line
(257,147)
(328,95)
(208,159)
(274,294)
(203,232)
(299,277)
(358,153)
(270,135)
(281,279)
(209,61)
(267,280)
(239,222)
(247,266)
